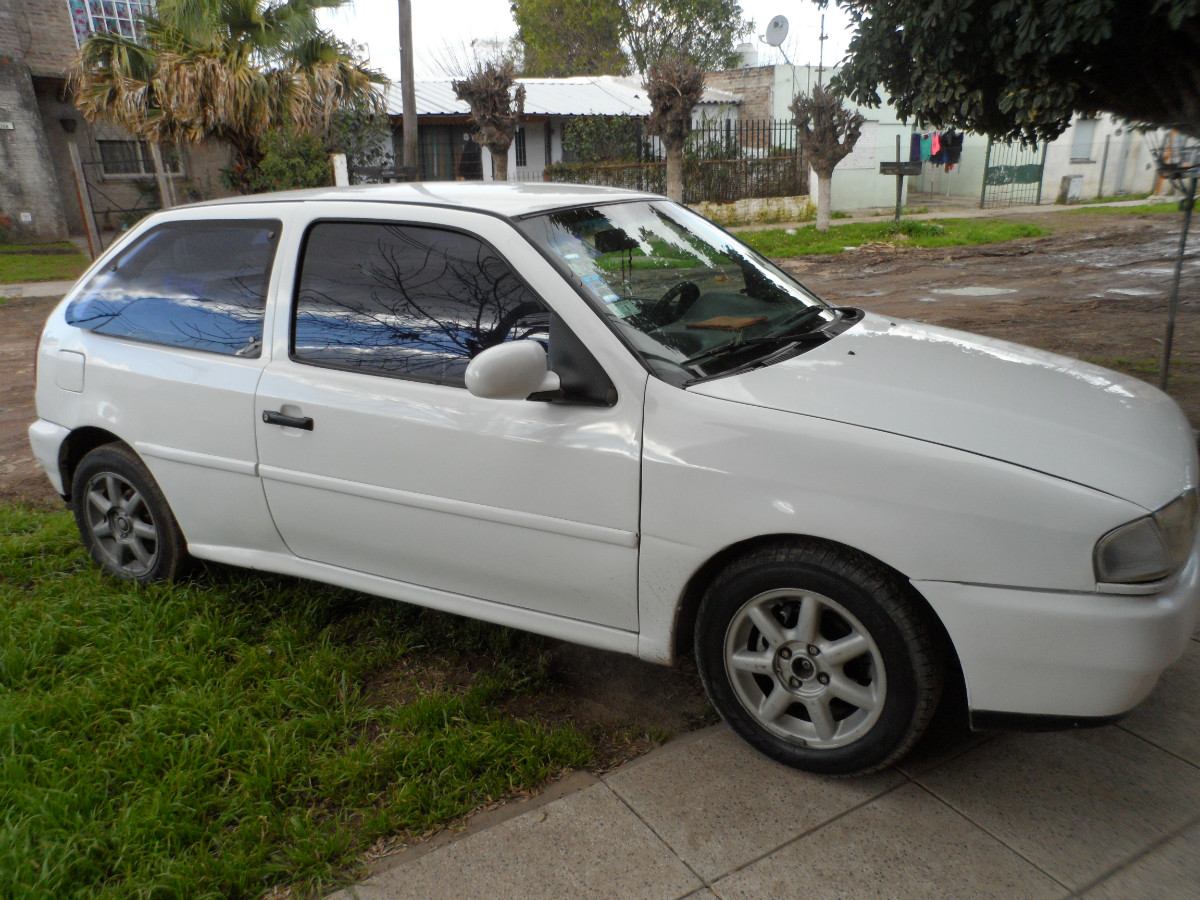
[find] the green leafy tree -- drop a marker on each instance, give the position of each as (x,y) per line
(569,37)
(603,139)
(234,70)
(364,134)
(1019,69)
(706,32)
(289,160)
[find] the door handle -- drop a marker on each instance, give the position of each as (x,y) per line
(273,417)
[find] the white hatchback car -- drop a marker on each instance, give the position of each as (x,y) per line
(592,414)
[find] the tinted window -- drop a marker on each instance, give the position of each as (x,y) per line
(199,285)
(407,301)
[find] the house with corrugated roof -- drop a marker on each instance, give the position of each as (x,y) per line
(448,153)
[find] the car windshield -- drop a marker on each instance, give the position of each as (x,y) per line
(689,298)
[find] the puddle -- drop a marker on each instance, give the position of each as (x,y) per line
(927,300)
(1133,292)
(1151,271)
(974,291)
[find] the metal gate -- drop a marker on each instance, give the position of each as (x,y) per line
(117,203)
(1012,175)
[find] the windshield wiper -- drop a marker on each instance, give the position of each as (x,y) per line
(788,333)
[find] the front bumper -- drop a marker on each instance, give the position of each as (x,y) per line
(46,439)
(1060,654)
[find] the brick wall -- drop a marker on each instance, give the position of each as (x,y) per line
(754,85)
(51,37)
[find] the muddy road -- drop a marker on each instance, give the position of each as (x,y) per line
(1096,289)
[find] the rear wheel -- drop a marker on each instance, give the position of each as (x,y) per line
(124,518)
(819,657)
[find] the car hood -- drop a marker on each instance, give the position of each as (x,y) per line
(1038,410)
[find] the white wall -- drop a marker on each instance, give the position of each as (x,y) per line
(1129,167)
(857,183)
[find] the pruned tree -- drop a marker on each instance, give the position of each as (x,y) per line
(827,132)
(1019,69)
(705,31)
(496,108)
(674,85)
(560,38)
(234,70)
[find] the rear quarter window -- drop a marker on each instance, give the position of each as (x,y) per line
(197,285)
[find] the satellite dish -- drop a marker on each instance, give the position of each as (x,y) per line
(777,30)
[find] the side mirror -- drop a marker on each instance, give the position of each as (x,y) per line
(510,371)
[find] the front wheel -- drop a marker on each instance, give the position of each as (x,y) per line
(818,656)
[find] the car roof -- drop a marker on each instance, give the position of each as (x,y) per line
(508,198)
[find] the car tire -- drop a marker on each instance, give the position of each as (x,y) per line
(819,656)
(124,518)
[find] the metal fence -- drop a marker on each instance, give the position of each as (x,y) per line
(1012,175)
(724,160)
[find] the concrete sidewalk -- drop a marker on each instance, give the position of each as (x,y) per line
(962,213)
(1109,813)
(24,289)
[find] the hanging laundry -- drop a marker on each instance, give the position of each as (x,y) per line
(914,148)
(954,144)
(926,146)
(935,144)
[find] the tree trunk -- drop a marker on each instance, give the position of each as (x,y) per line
(675,173)
(824,183)
(408,95)
(499,165)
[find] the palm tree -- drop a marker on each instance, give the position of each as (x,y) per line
(233,70)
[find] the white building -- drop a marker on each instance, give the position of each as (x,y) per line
(1098,156)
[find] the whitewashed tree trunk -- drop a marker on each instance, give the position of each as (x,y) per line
(675,173)
(824,185)
(499,165)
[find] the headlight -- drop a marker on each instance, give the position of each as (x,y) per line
(1150,548)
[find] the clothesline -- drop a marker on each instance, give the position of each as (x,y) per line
(937,148)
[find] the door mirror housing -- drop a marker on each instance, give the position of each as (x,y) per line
(511,371)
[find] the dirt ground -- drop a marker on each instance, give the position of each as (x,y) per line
(1095,289)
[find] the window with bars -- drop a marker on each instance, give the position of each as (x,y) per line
(133,158)
(123,17)
(521,155)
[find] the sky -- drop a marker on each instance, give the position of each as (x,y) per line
(443,29)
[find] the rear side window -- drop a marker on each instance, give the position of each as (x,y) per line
(407,301)
(197,285)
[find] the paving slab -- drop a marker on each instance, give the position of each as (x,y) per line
(1170,717)
(720,804)
(587,844)
(904,844)
(1171,872)
(1073,803)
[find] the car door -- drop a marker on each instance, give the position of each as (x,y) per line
(374,456)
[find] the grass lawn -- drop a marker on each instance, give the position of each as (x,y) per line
(40,262)
(807,240)
(227,735)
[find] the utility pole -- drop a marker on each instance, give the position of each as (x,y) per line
(822,38)
(408,92)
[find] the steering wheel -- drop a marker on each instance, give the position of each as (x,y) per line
(668,309)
